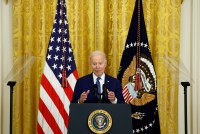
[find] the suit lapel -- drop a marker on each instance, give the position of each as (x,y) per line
(91,79)
(107,79)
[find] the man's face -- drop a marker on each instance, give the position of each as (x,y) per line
(98,64)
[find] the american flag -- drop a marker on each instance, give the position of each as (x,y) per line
(58,78)
(126,94)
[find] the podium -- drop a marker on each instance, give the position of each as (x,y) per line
(116,118)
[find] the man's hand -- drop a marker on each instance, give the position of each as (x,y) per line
(83,97)
(111,95)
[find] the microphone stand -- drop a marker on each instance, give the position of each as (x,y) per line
(96,94)
(185,85)
(105,90)
(11,84)
(99,97)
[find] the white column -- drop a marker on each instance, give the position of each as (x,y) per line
(185,65)
(195,62)
(6,63)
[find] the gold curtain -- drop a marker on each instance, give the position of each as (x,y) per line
(94,24)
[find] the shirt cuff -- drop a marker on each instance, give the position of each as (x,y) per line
(115,101)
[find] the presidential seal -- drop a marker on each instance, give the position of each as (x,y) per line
(99,121)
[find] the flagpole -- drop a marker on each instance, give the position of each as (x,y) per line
(11,84)
(185,85)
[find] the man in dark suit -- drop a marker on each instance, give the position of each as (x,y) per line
(98,86)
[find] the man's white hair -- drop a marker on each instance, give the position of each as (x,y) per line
(98,52)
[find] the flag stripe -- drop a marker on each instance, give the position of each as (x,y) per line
(127,96)
(47,100)
(72,79)
(55,98)
(57,87)
(49,118)
(69,92)
(39,128)
(42,122)
(71,82)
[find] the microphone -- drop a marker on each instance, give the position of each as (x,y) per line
(95,89)
(96,94)
(105,93)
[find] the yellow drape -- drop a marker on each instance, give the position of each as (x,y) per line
(94,24)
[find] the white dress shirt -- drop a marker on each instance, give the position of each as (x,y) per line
(102,80)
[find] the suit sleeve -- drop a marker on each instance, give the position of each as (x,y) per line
(77,92)
(118,92)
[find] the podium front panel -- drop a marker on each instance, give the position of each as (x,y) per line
(120,114)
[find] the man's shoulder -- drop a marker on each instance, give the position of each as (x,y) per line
(85,77)
(110,77)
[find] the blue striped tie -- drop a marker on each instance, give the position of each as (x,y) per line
(98,85)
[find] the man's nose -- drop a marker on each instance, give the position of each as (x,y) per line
(97,66)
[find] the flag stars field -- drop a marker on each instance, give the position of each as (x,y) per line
(131,45)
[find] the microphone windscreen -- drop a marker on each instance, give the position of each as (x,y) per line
(105,90)
(95,87)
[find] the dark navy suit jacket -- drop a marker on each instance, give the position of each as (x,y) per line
(86,83)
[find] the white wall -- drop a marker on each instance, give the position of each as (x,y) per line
(185,66)
(6,63)
(195,61)
(190,53)
(1,87)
